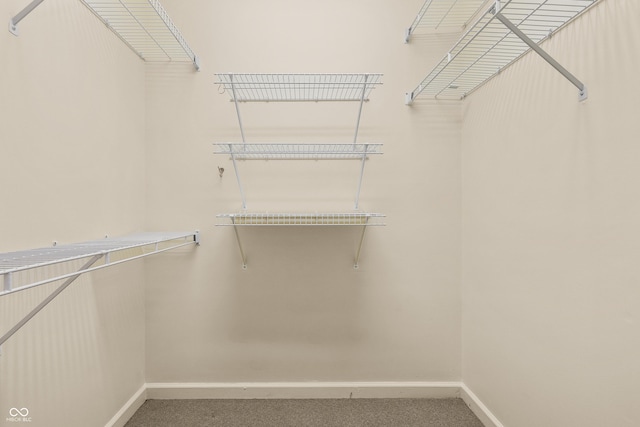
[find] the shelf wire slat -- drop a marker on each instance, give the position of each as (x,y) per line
(490,46)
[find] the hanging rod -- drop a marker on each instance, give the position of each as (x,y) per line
(491,45)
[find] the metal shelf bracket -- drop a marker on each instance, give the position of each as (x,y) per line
(13,22)
(582,94)
(357,259)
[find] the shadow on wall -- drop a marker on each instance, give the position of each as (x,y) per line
(300,286)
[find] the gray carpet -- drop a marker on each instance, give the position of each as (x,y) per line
(305,413)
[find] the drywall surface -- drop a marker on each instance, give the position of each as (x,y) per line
(301,312)
(551,237)
(72,151)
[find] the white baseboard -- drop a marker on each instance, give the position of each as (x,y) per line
(303,390)
(128,409)
(478,408)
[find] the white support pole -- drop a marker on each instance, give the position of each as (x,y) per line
(13,23)
(364,90)
(7,282)
(357,260)
(235,101)
(244,258)
(364,159)
(235,168)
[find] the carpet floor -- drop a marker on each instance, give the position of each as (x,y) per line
(305,413)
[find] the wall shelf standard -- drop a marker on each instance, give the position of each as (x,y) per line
(17,269)
(143,25)
(298,88)
(506,31)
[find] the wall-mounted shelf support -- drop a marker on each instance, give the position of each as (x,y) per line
(360,219)
(13,22)
(582,94)
(502,34)
(364,92)
(356,261)
(14,264)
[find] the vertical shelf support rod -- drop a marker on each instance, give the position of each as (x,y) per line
(235,101)
(364,228)
(235,168)
(534,46)
(47,300)
(7,282)
(364,91)
(244,258)
(364,159)
(13,23)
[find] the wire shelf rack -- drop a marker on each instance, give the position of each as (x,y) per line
(298,87)
(301,219)
(265,151)
(16,262)
(489,46)
(145,27)
(445,15)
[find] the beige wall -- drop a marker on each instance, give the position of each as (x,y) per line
(95,142)
(550,231)
(73,169)
(301,312)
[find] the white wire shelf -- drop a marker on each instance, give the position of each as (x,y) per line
(266,151)
(301,219)
(445,15)
(298,87)
(52,260)
(145,27)
(16,262)
(348,219)
(489,45)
